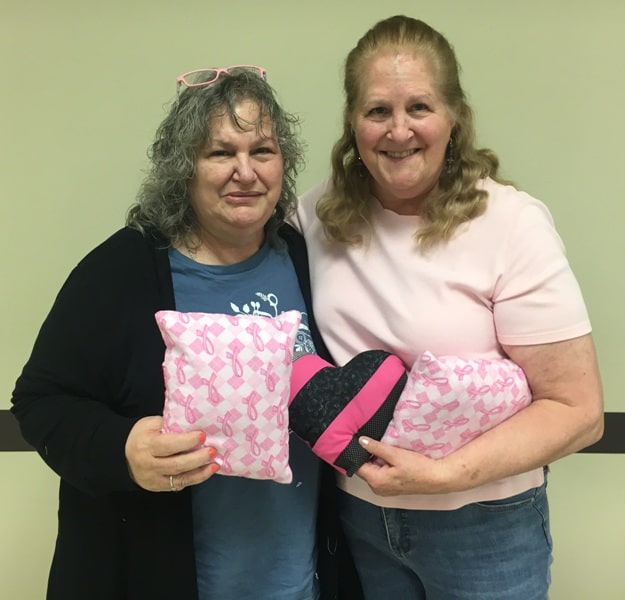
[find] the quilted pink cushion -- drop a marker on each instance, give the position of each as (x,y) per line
(229,376)
(448,401)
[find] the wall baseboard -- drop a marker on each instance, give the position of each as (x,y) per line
(612,442)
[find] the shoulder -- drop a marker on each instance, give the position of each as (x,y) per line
(125,249)
(128,239)
(127,260)
(306,213)
(511,213)
(506,201)
(291,236)
(295,245)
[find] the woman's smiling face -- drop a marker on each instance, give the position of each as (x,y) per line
(402,129)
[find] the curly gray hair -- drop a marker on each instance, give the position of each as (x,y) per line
(163,201)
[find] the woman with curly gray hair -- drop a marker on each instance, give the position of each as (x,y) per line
(207,235)
(417,247)
(163,201)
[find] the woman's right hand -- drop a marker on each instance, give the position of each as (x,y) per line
(167,462)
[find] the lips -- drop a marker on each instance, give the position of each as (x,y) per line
(242,197)
(402,154)
(244,194)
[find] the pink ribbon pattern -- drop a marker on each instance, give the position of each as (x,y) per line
(228,376)
(449,401)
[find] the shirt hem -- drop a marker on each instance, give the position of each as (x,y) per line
(495,490)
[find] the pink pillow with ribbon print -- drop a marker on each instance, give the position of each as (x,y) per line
(229,376)
(448,401)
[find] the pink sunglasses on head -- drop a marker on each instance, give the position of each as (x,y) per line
(202,77)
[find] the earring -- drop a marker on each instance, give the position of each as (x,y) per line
(361,167)
(449,153)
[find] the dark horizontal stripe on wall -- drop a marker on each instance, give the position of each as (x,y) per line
(10,437)
(613,441)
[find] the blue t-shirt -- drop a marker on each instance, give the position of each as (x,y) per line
(254,539)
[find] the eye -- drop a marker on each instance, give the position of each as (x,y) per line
(215,152)
(264,150)
(267,148)
(377,111)
(419,107)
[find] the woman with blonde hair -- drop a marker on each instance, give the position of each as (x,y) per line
(417,244)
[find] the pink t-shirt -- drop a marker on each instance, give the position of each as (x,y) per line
(502,279)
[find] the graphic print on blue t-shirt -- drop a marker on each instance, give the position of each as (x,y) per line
(268,305)
(264,285)
(253,539)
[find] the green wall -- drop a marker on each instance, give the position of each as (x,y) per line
(85,84)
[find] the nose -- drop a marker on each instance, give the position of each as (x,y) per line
(400,130)
(244,169)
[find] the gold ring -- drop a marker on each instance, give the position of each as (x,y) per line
(172,487)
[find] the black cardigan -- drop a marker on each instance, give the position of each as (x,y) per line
(95,369)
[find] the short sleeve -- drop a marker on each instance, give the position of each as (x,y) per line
(537,298)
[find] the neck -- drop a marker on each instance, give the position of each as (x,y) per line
(215,252)
(409,206)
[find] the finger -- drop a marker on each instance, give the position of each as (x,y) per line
(365,471)
(379,449)
(169,444)
(146,428)
(150,423)
(176,483)
(186,461)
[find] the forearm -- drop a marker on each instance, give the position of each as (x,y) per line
(81,440)
(538,435)
(566,414)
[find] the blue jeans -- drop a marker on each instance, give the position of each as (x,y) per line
(497,550)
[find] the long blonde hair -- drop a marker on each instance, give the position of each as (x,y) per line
(345,208)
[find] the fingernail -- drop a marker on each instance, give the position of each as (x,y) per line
(212,452)
(364,441)
(214,468)
(202,437)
